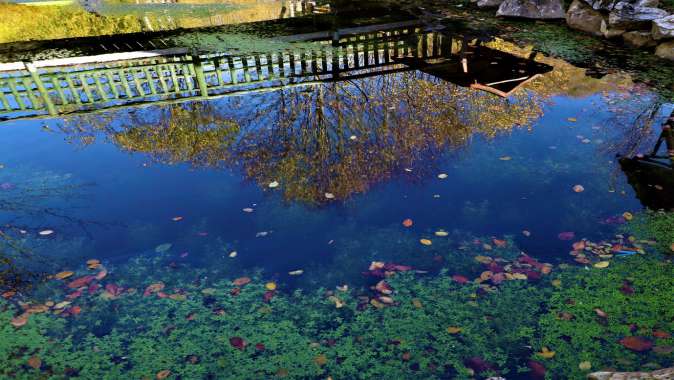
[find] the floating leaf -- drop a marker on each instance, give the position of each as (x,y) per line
(628,215)
(441,233)
(383,287)
(163,374)
(661,334)
(526,233)
(601,264)
(64,274)
(600,313)
(460,279)
(232,254)
(177,218)
(407,222)
(296,272)
(578,188)
(321,360)
(237,342)
(499,243)
(338,302)
(557,283)
(453,330)
(247,209)
(163,247)
(82,281)
(270,286)
(546,353)
(483,259)
(505,158)
(636,343)
(241,281)
(442,175)
(154,288)
(571,119)
(425,241)
(273,184)
(417,303)
(20,320)
(329,196)
(46,232)
(567,235)
(585,366)
(35,362)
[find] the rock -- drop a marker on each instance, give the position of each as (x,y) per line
(489,3)
(608,5)
(663,28)
(581,16)
(609,32)
(665,50)
(534,9)
(661,374)
(639,39)
(630,17)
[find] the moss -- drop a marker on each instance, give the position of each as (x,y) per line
(580,334)
(657,225)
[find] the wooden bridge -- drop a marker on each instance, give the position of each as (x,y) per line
(85,84)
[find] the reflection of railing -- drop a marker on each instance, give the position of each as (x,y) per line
(85,83)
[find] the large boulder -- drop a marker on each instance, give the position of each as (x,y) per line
(609,32)
(633,17)
(639,39)
(663,28)
(665,50)
(489,3)
(534,9)
(661,374)
(581,16)
(608,5)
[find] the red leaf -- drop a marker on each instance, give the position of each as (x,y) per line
(80,282)
(636,343)
(566,235)
(237,342)
(537,370)
(241,281)
(460,279)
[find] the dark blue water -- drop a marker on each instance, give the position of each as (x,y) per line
(109,184)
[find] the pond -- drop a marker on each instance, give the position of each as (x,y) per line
(379,200)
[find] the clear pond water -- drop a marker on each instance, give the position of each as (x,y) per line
(308,183)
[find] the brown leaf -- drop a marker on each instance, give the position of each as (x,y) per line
(34,362)
(241,281)
(163,374)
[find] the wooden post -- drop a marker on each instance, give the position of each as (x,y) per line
(40,87)
(199,73)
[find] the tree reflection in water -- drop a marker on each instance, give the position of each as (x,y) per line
(338,138)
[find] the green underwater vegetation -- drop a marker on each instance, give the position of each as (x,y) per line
(518,317)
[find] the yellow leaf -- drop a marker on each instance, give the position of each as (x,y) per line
(557,283)
(585,366)
(628,215)
(601,264)
(62,275)
(453,330)
(425,242)
(417,303)
(483,259)
(320,360)
(546,353)
(270,286)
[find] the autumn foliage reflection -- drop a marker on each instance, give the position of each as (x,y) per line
(338,138)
